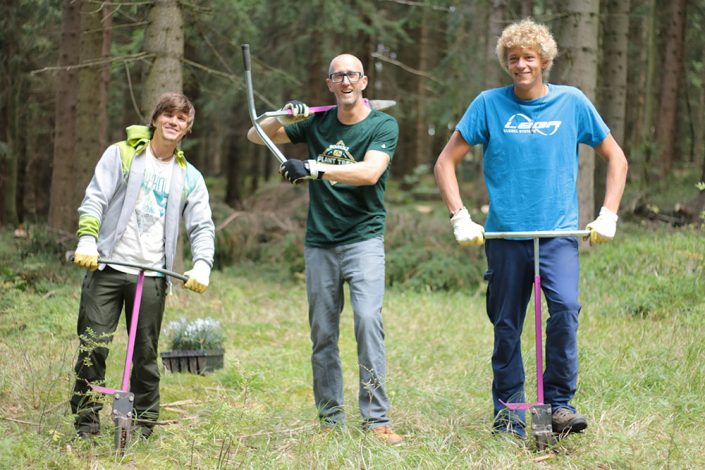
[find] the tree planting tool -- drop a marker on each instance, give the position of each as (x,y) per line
(541,427)
(373,104)
(123,400)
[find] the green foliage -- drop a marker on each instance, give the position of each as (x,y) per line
(23,262)
(650,279)
(201,333)
(425,268)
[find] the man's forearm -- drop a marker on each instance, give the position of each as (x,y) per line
(270,126)
(616,180)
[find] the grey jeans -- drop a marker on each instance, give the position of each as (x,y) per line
(327,269)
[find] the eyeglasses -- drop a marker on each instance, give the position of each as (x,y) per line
(353,77)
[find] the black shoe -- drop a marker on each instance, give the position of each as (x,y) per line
(143,431)
(565,421)
(87,436)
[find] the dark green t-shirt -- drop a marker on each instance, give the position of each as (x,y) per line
(340,214)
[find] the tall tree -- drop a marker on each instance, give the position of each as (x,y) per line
(92,88)
(639,129)
(614,87)
(105,53)
(164,39)
(496,22)
(577,66)
(11,80)
(672,73)
(62,212)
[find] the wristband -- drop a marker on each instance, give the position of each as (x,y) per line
(314,169)
(453,214)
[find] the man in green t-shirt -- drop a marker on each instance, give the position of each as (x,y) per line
(351,147)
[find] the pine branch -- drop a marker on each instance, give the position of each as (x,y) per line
(95,63)
(405,67)
(233,78)
(450,9)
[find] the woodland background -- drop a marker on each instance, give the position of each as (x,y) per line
(75,73)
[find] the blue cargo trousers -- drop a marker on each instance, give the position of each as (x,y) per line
(361,265)
(510,278)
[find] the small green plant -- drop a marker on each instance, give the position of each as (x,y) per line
(202,333)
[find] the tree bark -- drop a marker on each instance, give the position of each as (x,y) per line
(496,22)
(164,37)
(526,8)
(421,137)
(91,89)
(614,88)
(12,84)
(105,53)
(62,213)
(577,65)
(672,73)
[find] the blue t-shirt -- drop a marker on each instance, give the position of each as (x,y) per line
(530,155)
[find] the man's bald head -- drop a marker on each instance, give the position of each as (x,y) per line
(345,62)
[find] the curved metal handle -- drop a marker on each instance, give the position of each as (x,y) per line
(251,106)
(144,268)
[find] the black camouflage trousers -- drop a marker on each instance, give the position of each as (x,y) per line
(103,296)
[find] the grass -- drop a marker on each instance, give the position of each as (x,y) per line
(642,370)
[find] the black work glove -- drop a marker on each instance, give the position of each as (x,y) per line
(298,170)
(300,112)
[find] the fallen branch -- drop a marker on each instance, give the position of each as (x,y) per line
(229,219)
(29,423)
(167,422)
(543,457)
(182,402)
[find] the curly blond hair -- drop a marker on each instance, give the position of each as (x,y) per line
(528,34)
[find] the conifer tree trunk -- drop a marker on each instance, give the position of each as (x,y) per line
(421,138)
(497,21)
(105,53)
(614,88)
(164,37)
(672,72)
(577,66)
(88,138)
(526,8)
(62,213)
(10,83)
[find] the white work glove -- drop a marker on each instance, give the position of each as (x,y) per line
(603,228)
(198,277)
(300,112)
(86,254)
(467,232)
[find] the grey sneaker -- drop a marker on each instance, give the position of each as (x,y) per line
(564,421)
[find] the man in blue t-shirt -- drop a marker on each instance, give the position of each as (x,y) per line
(350,148)
(530,133)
